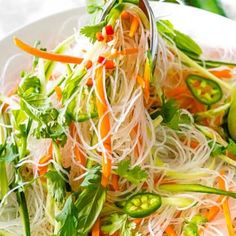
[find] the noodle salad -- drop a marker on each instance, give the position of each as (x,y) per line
(99,139)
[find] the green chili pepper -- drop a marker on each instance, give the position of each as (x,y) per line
(142,205)
(206,91)
(232,116)
(198,188)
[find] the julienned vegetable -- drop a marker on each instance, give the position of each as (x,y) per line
(231,116)
(198,188)
(204,90)
(103,143)
(142,205)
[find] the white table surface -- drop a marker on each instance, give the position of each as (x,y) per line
(15,13)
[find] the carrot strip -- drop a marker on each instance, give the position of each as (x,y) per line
(125,15)
(212,213)
(43,169)
(222,74)
(58,93)
(133,27)
(147,73)
(79,156)
(96,228)
(140,81)
(109,64)
(225,206)
(115,182)
(104,127)
(170,231)
(46,55)
(89,82)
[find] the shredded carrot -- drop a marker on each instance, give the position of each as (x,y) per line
(170,231)
(140,81)
(58,93)
(176,91)
(104,127)
(109,64)
(222,74)
(125,15)
(134,26)
(147,73)
(225,206)
(89,64)
(115,182)
(43,169)
(89,82)
(96,228)
(46,55)
(79,156)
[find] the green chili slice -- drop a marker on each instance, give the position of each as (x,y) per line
(206,91)
(142,205)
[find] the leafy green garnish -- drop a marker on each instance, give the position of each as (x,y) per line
(231,147)
(116,222)
(191,227)
(92,178)
(56,186)
(135,175)
(182,41)
(68,219)
(94,6)
(7,152)
(89,205)
(90,30)
(113,223)
(221,150)
(50,127)
(171,114)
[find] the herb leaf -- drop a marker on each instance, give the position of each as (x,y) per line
(89,205)
(91,30)
(113,223)
(92,178)
(171,114)
(135,175)
(232,147)
(191,227)
(56,186)
(68,219)
(94,6)
(182,41)
(116,222)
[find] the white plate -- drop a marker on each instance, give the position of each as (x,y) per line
(207,28)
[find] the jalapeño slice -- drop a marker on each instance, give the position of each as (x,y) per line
(142,205)
(204,90)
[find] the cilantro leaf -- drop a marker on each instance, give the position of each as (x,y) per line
(91,30)
(56,186)
(7,152)
(217,149)
(171,114)
(92,178)
(94,6)
(113,223)
(135,175)
(89,205)
(49,126)
(232,147)
(116,222)
(68,219)
(191,227)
